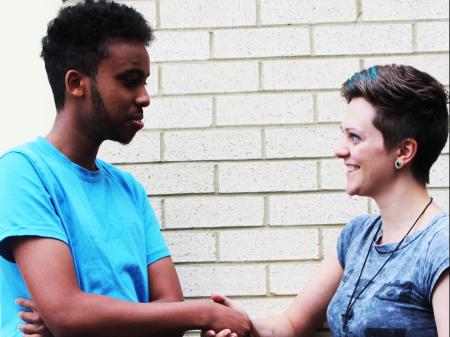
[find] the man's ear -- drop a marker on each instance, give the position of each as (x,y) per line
(407,150)
(76,84)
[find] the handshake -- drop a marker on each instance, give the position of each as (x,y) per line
(239,322)
(224,319)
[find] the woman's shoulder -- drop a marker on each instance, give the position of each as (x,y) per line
(359,224)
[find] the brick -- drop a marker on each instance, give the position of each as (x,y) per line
(176,46)
(244,280)
(269,245)
(378,10)
(439,172)
(329,239)
(441,197)
(153,82)
(333,174)
(212,212)
(432,36)
(191,247)
(261,42)
(331,107)
(316,141)
(436,65)
(210,78)
(160,179)
(299,275)
(307,11)
(308,73)
(265,109)
(166,113)
(146,8)
(212,145)
(157,208)
(144,147)
(363,39)
(207,13)
(315,209)
(264,306)
(267,176)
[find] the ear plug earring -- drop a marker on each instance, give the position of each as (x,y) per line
(398,164)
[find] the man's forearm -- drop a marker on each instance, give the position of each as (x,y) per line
(96,315)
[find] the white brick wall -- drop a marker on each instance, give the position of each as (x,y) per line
(237,151)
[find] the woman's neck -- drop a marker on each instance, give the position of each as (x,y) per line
(401,206)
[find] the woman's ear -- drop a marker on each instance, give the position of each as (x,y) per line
(406,151)
(76,84)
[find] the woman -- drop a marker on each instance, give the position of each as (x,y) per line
(389,275)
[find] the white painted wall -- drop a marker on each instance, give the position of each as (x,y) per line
(27,108)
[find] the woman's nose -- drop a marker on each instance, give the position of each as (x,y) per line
(341,150)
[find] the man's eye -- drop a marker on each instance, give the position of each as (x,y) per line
(131,82)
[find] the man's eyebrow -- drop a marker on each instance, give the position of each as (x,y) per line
(133,72)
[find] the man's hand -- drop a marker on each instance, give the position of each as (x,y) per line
(220,299)
(35,326)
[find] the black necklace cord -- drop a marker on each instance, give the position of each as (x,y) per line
(351,303)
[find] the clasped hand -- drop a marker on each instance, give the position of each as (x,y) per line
(220,299)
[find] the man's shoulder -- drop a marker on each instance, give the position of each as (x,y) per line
(16,157)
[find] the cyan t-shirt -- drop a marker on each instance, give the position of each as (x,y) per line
(103,216)
(398,301)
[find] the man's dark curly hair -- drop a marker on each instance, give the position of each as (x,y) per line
(78,39)
(409,103)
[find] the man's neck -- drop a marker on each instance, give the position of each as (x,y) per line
(73,142)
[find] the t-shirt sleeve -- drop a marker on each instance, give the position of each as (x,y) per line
(345,238)
(155,243)
(26,207)
(437,259)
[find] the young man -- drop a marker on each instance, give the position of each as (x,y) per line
(76,234)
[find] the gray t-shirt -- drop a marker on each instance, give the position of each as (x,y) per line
(398,301)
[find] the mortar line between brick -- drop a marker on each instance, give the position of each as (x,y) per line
(315,109)
(321,248)
(211,45)
(162,146)
(312,47)
(266,219)
(158,14)
(261,76)
(263,144)
(216,179)
(293,58)
(217,252)
(267,280)
(299,25)
(163,214)
(214,112)
(319,174)
(359,10)
(258,13)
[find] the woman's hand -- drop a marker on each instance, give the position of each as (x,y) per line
(35,326)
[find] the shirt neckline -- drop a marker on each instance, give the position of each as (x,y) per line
(389,247)
(82,172)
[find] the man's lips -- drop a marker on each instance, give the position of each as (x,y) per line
(137,120)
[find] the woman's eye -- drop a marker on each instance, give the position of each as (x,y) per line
(354,138)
